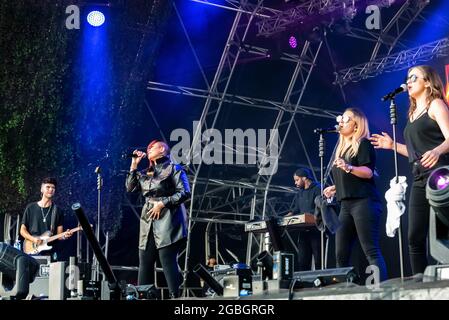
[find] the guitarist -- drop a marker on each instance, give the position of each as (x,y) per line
(42,216)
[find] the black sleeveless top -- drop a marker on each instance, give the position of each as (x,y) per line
(420,136)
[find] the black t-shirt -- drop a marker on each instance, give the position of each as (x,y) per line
(305,199)
(33,218)
(349,186)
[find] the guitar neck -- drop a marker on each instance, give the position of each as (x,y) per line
(60,235)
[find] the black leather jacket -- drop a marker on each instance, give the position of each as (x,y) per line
(168,184)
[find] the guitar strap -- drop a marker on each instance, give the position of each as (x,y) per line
(53,220)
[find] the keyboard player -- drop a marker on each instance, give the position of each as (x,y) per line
(309,240)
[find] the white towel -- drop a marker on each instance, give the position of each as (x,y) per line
(395,205)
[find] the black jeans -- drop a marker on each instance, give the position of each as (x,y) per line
(309,243)
(418,227)
(168,257)
(360,218)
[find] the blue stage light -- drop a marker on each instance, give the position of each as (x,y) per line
(96,18)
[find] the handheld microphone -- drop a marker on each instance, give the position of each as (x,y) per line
(335,129)
(396,91)
(132,155)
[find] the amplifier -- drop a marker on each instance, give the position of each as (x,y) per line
(237,285)
(44,265)
(283,266)
(40,286)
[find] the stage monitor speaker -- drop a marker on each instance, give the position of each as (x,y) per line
(326,277)
(18,270)
(143,292)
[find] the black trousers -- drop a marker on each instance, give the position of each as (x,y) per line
(360,218)
(418,227)
(309,244)
(168,257)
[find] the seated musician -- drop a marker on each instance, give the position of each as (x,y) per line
(309,240)
(42,217)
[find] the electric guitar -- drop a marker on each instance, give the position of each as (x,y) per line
(30,247)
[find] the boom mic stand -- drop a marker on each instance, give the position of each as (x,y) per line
(393,122)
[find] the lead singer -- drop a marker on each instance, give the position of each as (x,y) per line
(355,189)
(163,230)
(426,145)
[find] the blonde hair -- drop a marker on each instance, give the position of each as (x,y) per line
(352,144)
(434,91)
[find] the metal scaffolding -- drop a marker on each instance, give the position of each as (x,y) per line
(301,14)
(394,62)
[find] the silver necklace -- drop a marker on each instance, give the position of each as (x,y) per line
(44,218)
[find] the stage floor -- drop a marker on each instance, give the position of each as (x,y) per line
(395,289)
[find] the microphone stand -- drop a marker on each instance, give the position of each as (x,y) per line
(321,146)
(96,266)
(393,122)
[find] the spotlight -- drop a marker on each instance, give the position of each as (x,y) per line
(96,18)
(265,261)
(293,42)
(437,191)
(202,272)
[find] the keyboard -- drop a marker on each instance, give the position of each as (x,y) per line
(291,222)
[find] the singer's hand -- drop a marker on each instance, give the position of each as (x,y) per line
(430,158)
(155,212)
(135,161)
(383,141)
(329,192)
(340,163)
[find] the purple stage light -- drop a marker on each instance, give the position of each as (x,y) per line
(442,182)
(293,42)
